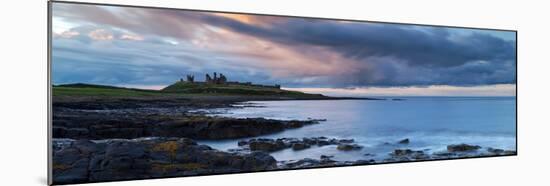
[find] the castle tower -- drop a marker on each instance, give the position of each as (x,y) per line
(190,78)
(208,79)
(222,79)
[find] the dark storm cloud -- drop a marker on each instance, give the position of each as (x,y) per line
(448,57)
(370,54)
(427,46)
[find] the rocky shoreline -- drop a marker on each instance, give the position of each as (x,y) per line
(78,161)
(272,145)
(120,139)
(93,125)
(397,155)
(134,139)
(136,118)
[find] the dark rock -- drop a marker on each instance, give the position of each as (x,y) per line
(89,125)
(259,161)
(364,162)
(70,166)
(402,152)
(462,148)
(324,162)
(76,172)
(444,154)
(404,141)
(509,152)
(85,161)
(346,141)
(271,145)
(239,150)
(302,163)
(309,141)
(268,145)
(348,147)
(300,146)
(494,151)
(326,159)
(323,143)
(407,154)
(242,143)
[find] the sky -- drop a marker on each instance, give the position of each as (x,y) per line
(151,48)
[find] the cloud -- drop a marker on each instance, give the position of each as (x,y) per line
(153,46)
(428,47)
(432,90)
(131,37)
(101,35)
(385,50)
(67,34)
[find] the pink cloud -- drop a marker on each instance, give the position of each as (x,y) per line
(131,37)
(67,34)
(433,90)
(101,35)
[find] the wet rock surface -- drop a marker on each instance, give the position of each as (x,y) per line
(397,155)
(323,161)
(462,148)
(348,147)
(404,141)
(452,151)
(494,151)
(90,161)
(272,145)
(100,125)
(119,150)
(77,161)
(407,155)
(120,118)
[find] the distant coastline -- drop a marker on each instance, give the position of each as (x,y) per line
(181,89)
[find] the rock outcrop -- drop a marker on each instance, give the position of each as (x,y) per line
(324,161)
(494,151)
(87,161)
(271,145)
(407,155)
(103,126)
(404,141)
(462,147)
(348,147)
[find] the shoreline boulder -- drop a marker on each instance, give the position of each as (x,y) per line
(87,161)
(462,148)
(404,141)
(349,147)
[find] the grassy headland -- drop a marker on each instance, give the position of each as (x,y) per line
(80,89)
(197,94)
(183,90)
(232,89)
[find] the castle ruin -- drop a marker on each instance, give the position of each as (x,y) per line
(216,80)
(221,79)
(191,78)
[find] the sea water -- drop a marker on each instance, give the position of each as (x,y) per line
(430,123)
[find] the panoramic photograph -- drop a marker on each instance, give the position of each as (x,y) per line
(140,93)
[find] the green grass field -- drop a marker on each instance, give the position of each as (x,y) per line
(231,89)
(100,90)
(179,88)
